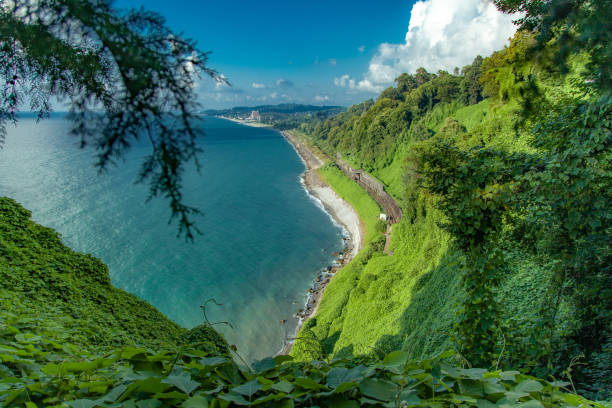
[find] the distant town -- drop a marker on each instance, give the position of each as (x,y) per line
(283,116)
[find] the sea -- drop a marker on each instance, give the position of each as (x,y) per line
(263,239)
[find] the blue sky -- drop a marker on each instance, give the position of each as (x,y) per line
(326,52)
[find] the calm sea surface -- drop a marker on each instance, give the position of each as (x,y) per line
(263,237)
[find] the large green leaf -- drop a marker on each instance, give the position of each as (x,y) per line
(149,403)
(283,386)
(308,383)
(264,365)
(83,403)
(182,380)
(529,386)
(340,375)
(151,385)
(248,389)
(396,358)
(197,401)
(378,389)
(234,398)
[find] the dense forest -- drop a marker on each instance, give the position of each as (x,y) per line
(503,254)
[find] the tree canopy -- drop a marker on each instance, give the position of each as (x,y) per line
(124,75)
(574,26)
(510,156)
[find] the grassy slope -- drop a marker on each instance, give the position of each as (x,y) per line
(392,176)
(407,301)
(385,303)
(338,291)
(40,275)
(55,304)
(381,302)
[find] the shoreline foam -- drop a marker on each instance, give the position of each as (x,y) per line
(341,213)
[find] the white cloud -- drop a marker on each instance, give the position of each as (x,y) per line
(320,98)
(333,61)
(257,86)
(442,34)
(361,48)
(345,81)
(366,85)
(273,95)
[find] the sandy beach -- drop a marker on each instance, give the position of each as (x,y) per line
(341,211)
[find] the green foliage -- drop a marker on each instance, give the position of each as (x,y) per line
(508,74)
(377,303)
(41,368)
(475,188)
(370,134)
(471,88)
(206,336)
(46,277)
(558,200)
(571,27)
(523,198)
(567,203)
(391,93)
(367,208)
(381,226)
(47,358)
(129,65)
(406,83)
(451,128)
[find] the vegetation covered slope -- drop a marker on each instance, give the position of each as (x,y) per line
(44,277)
(39,366)
(69,339)
(503,254)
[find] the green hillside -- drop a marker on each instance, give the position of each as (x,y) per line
(497,256)
(55,286)
(70,339)
(44,276)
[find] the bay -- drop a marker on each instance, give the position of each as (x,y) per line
(263,238)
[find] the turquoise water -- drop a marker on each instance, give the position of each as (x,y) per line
(263,238)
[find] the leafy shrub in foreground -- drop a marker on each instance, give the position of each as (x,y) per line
(37,369)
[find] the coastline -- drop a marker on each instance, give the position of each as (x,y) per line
(341,212)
